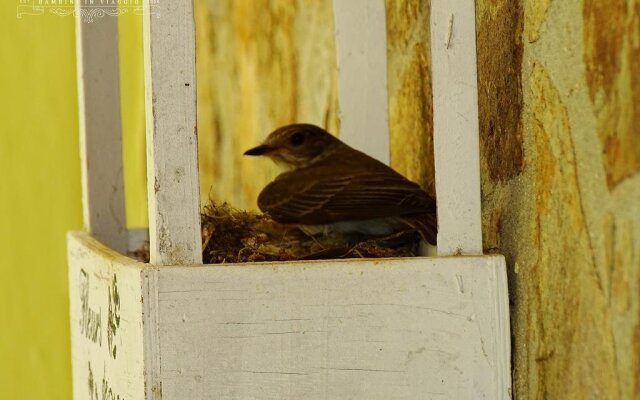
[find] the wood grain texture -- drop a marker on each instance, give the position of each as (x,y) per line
(151,334)
(572,240)
(100,129)
(571,251)
(410,94)
(106,321)
(362,79)
(612,61)
(401,329)
(359,329)
(575,113)
(455,126)
(172,141)
(261,65)
(500,89)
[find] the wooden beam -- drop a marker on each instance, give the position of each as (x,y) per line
(172,146)
(100,129)
(455,124)
(361,41)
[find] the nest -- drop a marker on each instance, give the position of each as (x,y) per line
(230,235)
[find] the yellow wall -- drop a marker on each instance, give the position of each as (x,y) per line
(39,201)
(40,196)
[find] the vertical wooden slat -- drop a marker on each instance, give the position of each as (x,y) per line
(100,129)
(455,121)
(362,75)
(172,149)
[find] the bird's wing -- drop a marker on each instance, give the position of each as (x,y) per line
(320,196)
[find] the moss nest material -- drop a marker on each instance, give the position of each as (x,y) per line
(230,235)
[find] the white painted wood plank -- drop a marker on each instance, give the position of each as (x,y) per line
(172,148)
(151,335)
(106,321)
(372,329)
(100,129)
(455,122)
(361,41)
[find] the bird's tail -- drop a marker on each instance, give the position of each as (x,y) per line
(426,224)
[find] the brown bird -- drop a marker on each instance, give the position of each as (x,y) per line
(333,187)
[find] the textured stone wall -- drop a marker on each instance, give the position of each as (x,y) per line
(559,98)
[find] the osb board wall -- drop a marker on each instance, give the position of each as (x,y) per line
(260,64)
(559,98)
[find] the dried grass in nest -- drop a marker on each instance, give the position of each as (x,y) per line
(230,235)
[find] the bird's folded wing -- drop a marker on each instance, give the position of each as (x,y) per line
(312,197)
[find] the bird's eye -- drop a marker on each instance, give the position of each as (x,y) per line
(297,139)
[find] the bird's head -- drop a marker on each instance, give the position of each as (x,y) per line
(296,146)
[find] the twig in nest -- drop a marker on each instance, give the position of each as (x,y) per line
(230,235)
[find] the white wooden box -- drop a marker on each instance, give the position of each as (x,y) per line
(411,328)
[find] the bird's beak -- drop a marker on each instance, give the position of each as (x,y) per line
(258,150)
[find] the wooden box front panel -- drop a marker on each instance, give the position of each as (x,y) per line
(388,329)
